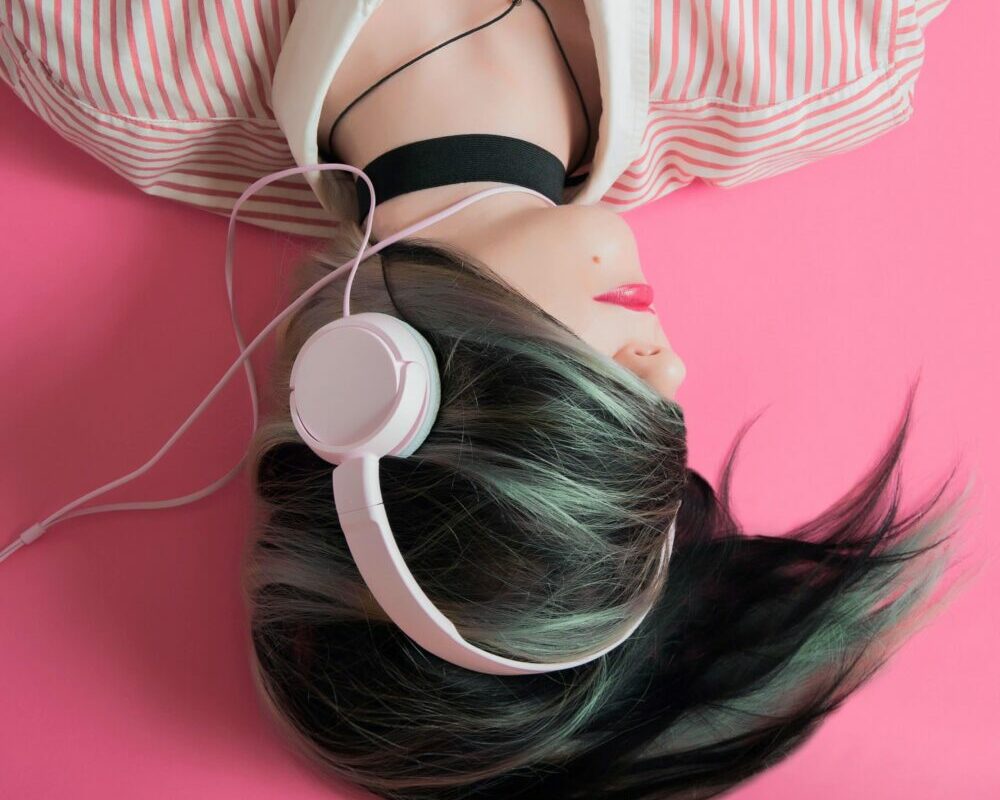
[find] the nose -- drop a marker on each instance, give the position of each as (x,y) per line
(659,366)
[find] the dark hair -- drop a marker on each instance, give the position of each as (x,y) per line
(533,515)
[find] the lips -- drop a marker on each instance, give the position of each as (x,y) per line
(634,296)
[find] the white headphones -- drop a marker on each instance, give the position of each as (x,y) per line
(354,428)
(362,387)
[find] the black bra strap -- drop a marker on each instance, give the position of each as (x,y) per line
(511,7)
(458,159)
(576,84)
(414,60)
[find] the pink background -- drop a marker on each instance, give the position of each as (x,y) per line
(818,294)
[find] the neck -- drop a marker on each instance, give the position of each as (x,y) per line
(466,231)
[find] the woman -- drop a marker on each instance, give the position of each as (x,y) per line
(535,509)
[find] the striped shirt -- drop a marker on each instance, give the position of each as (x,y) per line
(175,96)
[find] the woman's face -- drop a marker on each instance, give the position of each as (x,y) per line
(562,258)
(565,256)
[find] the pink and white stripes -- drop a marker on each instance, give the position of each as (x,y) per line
(762,52)
(158,59)
(744,89)
(174,95)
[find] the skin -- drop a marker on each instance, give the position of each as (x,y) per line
(509,79)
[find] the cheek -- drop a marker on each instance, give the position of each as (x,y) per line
(560,281)
(568,300)
(607,328)
(572,311)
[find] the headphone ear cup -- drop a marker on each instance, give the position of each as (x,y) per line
(365,383)
(434,391)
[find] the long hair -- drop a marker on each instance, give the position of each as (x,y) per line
(533,515)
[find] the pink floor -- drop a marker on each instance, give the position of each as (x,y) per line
(122,656)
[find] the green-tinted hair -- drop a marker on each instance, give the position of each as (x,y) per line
(533,515)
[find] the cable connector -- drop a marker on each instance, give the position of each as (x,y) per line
(26,537)
(32,533)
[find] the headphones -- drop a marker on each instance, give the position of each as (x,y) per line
(362,387)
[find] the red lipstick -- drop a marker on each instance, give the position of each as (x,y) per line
(634,296)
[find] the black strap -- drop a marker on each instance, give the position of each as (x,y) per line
(513,5)
(460,158)
(414,60)
(576,84)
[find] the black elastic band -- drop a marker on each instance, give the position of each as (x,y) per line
(461,158)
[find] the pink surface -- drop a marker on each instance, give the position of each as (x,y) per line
(818,294)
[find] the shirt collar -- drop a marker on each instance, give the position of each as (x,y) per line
(621,40)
